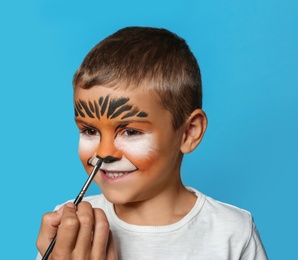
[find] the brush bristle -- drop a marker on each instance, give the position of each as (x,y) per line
(93,160)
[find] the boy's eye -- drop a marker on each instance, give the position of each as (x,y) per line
(131,132)
(89,131)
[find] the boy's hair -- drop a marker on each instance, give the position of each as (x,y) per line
(149,58)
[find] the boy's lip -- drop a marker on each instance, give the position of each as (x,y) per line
(116,174)
(123,165)
(117,168)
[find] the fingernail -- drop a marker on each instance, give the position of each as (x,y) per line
(60,210)
(70,205)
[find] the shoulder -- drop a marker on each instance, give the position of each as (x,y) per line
(225,218)
(227,211)
(229,218)
(222,211)
(238,225)
(230,227)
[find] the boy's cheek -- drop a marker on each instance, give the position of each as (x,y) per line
(87,149)
(142,163)
(139,148)
(85,155)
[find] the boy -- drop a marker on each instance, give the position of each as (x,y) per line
(138,100)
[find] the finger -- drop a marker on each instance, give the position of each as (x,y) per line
(48,229)
(111,248)
(67,232)
(101,235)
(86,218)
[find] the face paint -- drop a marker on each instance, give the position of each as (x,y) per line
(137,132)
(111,107)
(135,146)
(123,165)
(139,146)
(88,143)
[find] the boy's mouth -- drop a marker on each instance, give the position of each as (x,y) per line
(116,169)
(116,174)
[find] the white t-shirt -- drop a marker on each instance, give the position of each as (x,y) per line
(211,230)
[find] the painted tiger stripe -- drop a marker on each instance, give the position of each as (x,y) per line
(113,108)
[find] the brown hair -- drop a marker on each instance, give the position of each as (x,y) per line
(146,57)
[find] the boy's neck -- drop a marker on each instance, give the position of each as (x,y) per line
(165,209)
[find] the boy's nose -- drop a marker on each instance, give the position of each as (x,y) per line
(110,159)
(107,150)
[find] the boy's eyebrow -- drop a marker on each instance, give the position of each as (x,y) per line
(120,122)
(120,127)
(88,124)
(131,121)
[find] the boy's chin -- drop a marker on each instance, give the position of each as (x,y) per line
(117,199)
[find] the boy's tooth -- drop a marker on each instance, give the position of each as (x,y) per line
(115,175)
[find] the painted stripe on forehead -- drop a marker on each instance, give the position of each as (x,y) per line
(104,105)
(78,110)
(91,106)
(112,107)
(121,110)
(86,108)
(96,107)
(115,104)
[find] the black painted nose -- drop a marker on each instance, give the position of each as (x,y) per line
(110,159)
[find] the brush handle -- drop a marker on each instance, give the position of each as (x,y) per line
(50,248)
(76,202)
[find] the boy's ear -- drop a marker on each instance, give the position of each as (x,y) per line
(194,130)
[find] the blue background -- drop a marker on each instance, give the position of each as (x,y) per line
(247,51)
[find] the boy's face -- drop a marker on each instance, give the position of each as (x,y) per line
(134,133)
